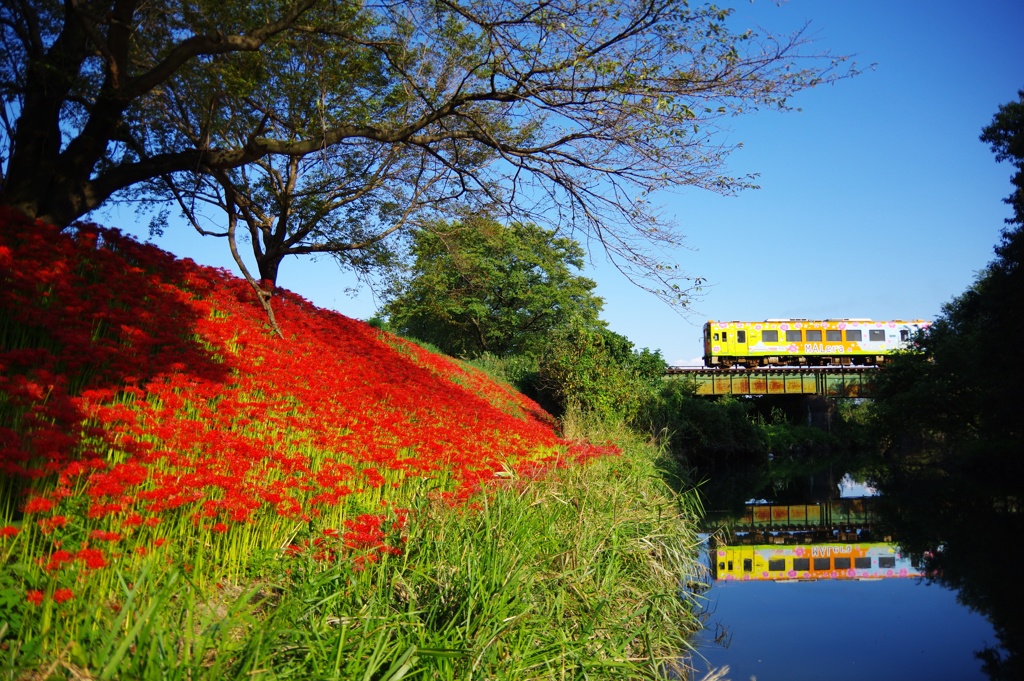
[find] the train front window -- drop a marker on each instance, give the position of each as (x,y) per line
(741,336)
(793,336)
(770,336)
(853,335)
(876,335)
(834,336)
(814,336)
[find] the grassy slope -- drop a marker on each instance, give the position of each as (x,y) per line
(186,496)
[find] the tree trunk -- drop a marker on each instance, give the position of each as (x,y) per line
(269,264)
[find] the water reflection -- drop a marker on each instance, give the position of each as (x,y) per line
(963,518)
(811,561)
(913,536)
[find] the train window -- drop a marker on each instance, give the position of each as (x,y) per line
(904,335)
(793,336)
(834,335)
(770,336)
(813,336)
(748,565)
(802,564)
(716,336)
(822,564)
(841,563)
(853,335)
(887,561)
(741,336)
(862,563)
(725,337)
(876,335)
(777,564)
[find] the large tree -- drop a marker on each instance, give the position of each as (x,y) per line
(478,286)
(568,111)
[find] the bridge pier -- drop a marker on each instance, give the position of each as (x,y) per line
(821,411)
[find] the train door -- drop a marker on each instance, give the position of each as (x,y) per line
(742,347)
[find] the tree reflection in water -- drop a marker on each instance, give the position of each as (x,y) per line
(949,514)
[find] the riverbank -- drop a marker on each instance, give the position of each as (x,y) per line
(187,496)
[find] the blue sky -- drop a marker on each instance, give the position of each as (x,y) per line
(877,199)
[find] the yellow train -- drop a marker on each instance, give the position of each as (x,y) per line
(805,342)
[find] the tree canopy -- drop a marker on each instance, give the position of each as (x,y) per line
(569,112)
(477,286)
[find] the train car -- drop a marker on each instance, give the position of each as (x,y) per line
(769,562)
(805,342)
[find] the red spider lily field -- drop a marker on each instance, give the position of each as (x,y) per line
(186,494)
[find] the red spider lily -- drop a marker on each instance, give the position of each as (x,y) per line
(57,560)
(47,525)
(62,595)
(148,388)
(92,558)
(34,596)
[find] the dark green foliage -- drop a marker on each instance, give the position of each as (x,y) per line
(1007,142)
(478,286)
(701,428)
(598,371)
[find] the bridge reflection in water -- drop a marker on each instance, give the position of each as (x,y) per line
(830,381)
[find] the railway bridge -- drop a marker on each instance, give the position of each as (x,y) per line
(825,381)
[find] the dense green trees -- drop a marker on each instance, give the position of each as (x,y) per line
(477,286)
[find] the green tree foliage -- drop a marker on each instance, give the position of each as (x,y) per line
(597,371)
(511,293)
(956,392)
(949,414)
(572,111)
(477,286)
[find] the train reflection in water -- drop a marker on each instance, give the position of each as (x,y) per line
(876,560)
(828,540)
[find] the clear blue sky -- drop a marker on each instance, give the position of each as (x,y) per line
(877,199)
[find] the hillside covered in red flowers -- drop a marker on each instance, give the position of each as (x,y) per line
(141,394)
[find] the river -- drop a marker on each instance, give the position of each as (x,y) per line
(819,588)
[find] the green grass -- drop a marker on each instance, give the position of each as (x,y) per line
(573,574)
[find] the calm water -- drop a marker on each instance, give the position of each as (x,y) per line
(838,630)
